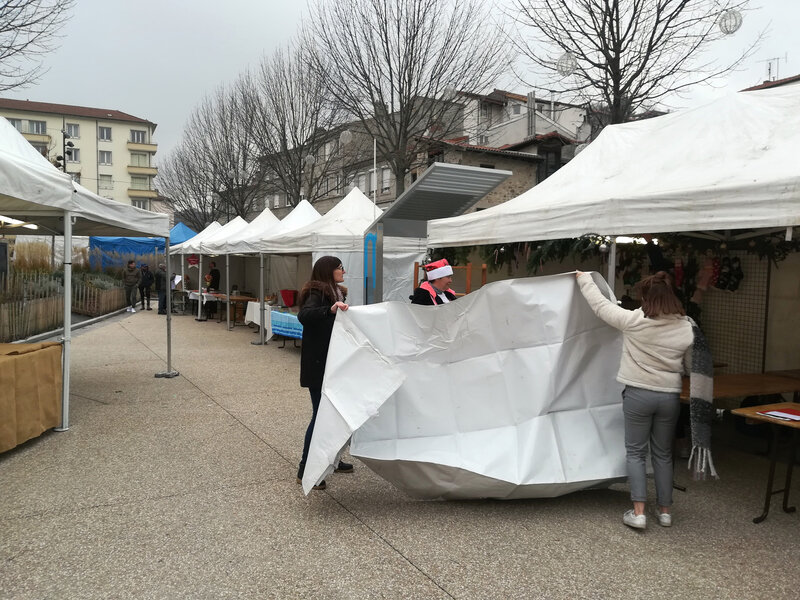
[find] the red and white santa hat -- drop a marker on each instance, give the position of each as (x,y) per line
(440,268)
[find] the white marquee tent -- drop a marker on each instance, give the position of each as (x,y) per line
(34,192)
(340,231)
(728,164)
(239,241)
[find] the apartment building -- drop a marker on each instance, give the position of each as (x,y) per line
(107,151)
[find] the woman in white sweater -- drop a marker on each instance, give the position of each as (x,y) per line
(656,346)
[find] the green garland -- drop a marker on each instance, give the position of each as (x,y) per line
(534,255)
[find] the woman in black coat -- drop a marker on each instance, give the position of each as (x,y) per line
(319,301)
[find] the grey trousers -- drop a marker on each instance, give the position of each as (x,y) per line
(130,295)
(650,417)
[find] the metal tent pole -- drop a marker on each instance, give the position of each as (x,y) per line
(169,373)
(67,339)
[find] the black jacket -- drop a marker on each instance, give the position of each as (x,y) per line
(214,283)
(422,296)
(317,319)
(147,279)
(161,280)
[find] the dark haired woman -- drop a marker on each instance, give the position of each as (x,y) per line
(656,345)
(319,301)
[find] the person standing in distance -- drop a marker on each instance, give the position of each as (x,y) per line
(436,289)
(131,278)
(145,284)
(161,288)
(320,299)
(214,272)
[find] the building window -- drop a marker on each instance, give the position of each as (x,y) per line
(73,130)
(104,134)
(139,182)
(550,164)
(483,140)
(138,136)
(73,155)
(141,203)
(76,177)
(485,115)
(106,182)
(515,108)
(287,203)
(276,201)
(41,149)
(38,127)
(386,179)
(362,182)
(140,159)
(105,157)
(373,181)
(17,123)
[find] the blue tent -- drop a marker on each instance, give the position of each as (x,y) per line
(180,233)
(114,251)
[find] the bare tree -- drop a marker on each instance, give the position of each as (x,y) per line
(395,65)
(184,181)
(621,56)
(295,125)
(28,30)
(226,148)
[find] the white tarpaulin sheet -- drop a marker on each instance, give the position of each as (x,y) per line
(509,392)
(729,164)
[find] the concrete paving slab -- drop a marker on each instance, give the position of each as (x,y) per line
(185,488)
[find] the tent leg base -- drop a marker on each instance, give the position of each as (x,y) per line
(258,343)
(60,429)
(167,374)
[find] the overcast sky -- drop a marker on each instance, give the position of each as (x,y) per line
(156,58)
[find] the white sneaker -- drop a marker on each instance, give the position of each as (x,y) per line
(128,309)
(635,521)
(665,519)
(133,310)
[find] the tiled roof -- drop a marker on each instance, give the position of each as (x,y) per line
(776,83)
(73,111)
(503,150)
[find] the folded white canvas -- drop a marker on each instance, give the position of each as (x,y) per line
(508,392)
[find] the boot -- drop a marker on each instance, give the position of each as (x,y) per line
(148,306)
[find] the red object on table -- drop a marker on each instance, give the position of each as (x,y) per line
(289,297)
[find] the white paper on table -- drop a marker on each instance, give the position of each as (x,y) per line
(508,392)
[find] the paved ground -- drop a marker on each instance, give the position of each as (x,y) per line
(185,488)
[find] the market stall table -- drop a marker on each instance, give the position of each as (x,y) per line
(757,413)
(750,384)
(251,316)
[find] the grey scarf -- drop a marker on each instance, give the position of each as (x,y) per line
(701,406)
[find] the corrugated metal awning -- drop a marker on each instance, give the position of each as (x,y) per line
(443,190)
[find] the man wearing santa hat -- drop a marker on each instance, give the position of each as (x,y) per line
(436,289)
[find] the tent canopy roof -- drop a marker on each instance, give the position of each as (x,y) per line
(728,164)
(34,191)
(341,228)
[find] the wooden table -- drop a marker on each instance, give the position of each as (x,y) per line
(237,301)
(750,384)
(752,412)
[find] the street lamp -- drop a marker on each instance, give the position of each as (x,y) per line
(66,150)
